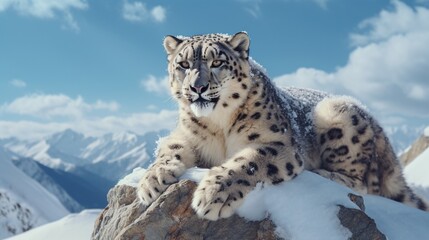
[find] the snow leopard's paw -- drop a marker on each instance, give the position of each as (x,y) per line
(219,195)
(158,178)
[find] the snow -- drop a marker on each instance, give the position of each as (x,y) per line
(290,205)
(65,150)
(306,208)
(426,132)
(36,172)
(195,174)
(397,221)
(47,205)
(44,206)
(254,64)
(72,227)
(417,171)
(133,178)
(40,151)
(124,137)
(416,174)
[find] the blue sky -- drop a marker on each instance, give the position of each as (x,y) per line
(99,66)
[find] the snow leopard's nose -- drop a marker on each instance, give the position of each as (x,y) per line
(200,89)
(200,83)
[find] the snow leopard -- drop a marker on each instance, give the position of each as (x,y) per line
(234,120)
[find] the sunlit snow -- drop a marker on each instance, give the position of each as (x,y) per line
(417,174)
(72,227)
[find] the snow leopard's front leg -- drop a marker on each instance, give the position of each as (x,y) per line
(224,188)
(175,155)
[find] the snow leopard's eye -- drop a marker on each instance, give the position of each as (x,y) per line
(184,64)
(217,63)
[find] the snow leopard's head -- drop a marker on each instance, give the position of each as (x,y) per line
(207,72)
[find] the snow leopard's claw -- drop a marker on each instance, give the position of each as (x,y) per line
(217,197)
(157,179)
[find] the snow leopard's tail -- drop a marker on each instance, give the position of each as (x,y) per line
(385,174)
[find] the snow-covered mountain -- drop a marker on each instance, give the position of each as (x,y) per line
(36,171)
(80,170)
(416,148)
(416,172)
(111,156)
(24,203)
(76,172)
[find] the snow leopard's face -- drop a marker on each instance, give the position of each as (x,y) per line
(202,69)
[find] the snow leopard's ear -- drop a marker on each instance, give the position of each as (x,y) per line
(240,42)
(171,43)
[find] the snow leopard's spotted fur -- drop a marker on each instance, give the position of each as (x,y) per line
(235,121)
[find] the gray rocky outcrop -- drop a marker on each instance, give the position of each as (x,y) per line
(171,217)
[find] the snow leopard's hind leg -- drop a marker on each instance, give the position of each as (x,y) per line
(354,151)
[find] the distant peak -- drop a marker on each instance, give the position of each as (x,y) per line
(124,136)
(68,133)
(71,132)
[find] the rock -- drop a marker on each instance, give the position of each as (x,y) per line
(15,217)
(171,217)
(360,225)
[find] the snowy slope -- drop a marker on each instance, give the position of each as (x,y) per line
(80,169)
(23,192)
(37,172)
(417,174)
(306,208)
(72,227)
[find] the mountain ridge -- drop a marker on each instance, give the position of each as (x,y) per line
(24,203)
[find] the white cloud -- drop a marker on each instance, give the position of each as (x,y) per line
(310,78)
(70,22)
(388,71)
(138,12)
(252,7)
(18,83)
(139,123)
(402,20)
(151,107)
(322,3)
(29,130)
(156,85)
(158,13)
(57,112)
(135,12)
(49,106)
(46,9)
